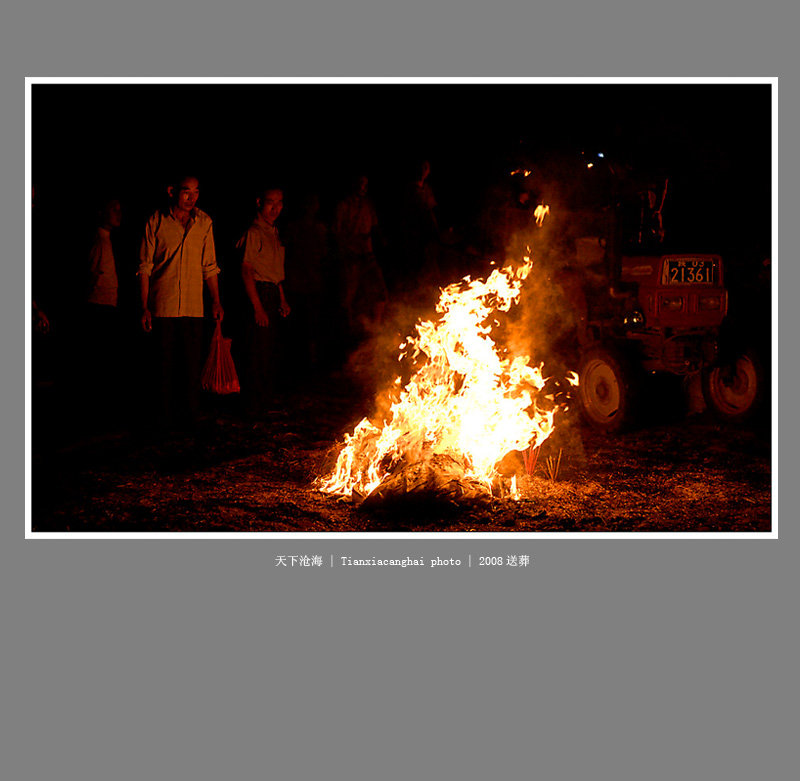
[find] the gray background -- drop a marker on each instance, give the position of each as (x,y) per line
(199,659)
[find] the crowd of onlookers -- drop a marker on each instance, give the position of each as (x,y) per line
(127,292)
(122,328)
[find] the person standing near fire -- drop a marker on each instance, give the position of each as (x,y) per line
(263,256)
(103,282)
(420,232)
(101,375)
(364,292)
(177,256)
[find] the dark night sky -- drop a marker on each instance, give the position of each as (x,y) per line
(713,141)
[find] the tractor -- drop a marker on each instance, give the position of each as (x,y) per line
(642,307)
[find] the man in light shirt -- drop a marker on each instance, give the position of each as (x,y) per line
(177,257)
(262,254)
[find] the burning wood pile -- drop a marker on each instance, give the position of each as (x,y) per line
(467,404)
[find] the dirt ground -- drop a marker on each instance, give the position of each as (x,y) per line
(679,474)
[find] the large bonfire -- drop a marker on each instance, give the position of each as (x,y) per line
(464,408)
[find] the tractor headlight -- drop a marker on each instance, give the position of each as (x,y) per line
(709,303)
(672,303)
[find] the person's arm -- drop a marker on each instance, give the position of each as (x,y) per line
(212,283)
(95,271)
(210,272)
(248,277)
(146,254)
(144,288)
(285,308)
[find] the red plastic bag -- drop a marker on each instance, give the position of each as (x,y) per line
(219,373)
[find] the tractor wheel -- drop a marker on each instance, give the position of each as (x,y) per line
(608,387)
(735,390)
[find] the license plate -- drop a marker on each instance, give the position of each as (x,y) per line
(690,271)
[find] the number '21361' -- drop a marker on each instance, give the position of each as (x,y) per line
(680,275)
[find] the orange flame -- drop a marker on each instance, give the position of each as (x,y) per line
(464,399)
(540,212)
